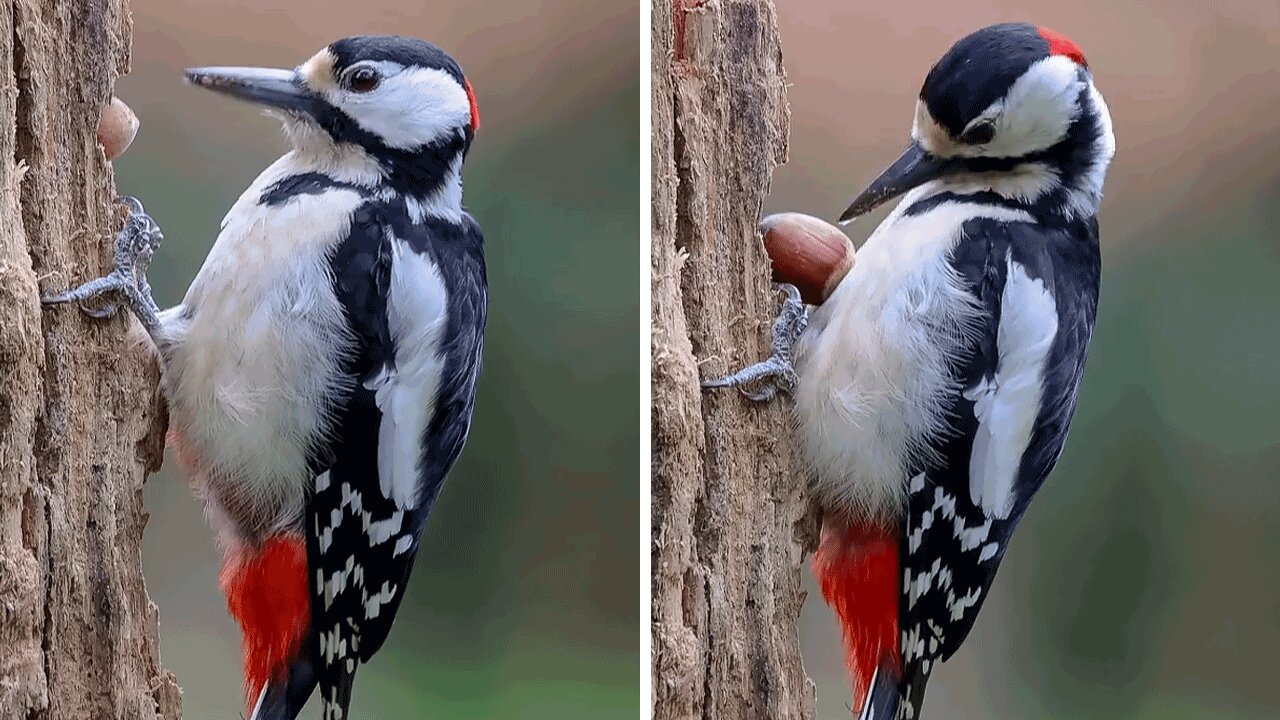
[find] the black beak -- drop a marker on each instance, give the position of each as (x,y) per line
(277,89)
(916,167)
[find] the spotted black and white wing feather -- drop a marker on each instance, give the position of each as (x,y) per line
(414,294)
(1017,391)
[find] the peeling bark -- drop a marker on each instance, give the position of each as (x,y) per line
(732,521)
(80,419)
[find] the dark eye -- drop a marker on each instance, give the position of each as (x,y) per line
(363,79)
(979,134)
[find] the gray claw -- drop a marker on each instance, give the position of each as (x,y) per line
(778,372)
(102,312)
(127,282)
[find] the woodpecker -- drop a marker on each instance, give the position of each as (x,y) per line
(320,372)
(933,387)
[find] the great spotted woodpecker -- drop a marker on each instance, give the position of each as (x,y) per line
(320,372)
(934,385)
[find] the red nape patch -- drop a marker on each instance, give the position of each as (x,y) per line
(1059,44)
(857,569)
(266,589)
(475,109)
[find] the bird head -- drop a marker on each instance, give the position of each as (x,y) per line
(1009,98)
(400,102)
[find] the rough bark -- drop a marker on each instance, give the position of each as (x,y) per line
(731,515)
(80,425)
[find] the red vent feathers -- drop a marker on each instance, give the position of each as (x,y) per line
(266,589)
(857,569)
(1060,44)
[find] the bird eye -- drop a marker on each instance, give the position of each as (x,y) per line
(363,79)
(979,134)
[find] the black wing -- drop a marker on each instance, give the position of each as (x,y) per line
(363,531)
(1009,431)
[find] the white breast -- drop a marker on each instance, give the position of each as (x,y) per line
(873,364)
(256,351)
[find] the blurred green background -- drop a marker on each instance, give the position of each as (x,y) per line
(1145,581)
(524,601)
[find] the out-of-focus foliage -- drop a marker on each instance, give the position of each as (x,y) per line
(523,602)
(1145,579)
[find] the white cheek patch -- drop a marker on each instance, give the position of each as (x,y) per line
(410,108)
(1038,109)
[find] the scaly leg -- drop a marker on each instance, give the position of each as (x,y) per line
(127,282)
(777,373)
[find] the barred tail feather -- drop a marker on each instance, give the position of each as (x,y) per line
(337,697)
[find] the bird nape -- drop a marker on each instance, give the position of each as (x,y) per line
(934,384)
(320,372)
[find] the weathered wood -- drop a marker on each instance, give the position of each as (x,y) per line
(80,424)
(731,514)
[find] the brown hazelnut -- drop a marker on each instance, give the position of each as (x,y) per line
(117,127)
(807,252)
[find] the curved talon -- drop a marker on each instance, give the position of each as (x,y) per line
(133,203)
(106,310)
(776,373)
(126,284)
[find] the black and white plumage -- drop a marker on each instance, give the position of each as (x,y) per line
(936,383)
(321,370)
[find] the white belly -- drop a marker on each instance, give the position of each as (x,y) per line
(873,364)
(255,354)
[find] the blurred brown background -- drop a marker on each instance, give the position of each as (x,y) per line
(523,602)
(1145,580)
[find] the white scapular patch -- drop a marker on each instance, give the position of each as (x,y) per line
(254,354)
(416,309)
(1007,405)
(410,108)
(875,363)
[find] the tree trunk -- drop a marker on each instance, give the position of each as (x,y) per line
(80,421)
(731,515)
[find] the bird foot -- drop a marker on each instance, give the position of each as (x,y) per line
(777,373)
(126,284)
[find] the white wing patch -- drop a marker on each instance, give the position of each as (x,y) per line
(1006,406)
(406,395)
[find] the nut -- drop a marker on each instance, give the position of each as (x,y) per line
(117,126)
(807,252)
